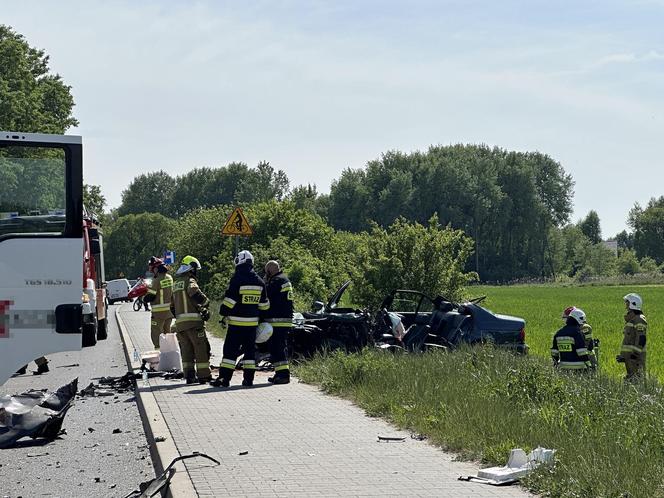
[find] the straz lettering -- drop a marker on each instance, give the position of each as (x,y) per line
(250,299)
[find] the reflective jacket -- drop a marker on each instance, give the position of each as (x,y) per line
(188,300)
(569,349)
(161,288)
(634,340)
(245,297)
(280,294)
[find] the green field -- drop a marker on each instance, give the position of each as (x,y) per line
(541,307)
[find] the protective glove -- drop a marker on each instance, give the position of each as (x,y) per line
(205,314)
(620,359)
(224,324)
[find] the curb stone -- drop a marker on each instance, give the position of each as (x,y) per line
(155,425)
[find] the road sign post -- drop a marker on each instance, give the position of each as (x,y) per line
(237,225)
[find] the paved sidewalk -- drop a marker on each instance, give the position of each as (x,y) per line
(299,441)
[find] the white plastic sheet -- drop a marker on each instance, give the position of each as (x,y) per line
(169,353)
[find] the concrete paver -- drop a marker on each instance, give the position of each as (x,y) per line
(299,441)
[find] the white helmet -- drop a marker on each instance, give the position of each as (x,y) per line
(578,315)
(263,332)
(634,301)
(244,257)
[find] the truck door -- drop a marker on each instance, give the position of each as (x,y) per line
(41,247)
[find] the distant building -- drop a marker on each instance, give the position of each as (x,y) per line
(611,245)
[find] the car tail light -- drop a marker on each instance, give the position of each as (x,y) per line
(522,334)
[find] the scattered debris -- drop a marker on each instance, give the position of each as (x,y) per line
(35,455)
(153,487)
(159,439)
(34,413)
(91,429)
(93,390)
(69,366)
(418,437)
(243,453)
(117,431)
(518,465)
(390,439)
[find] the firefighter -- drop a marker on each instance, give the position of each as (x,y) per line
(191,312)
(243,302)
(279,292)
(633,349)
(160,291)
(569,350)
(587,332)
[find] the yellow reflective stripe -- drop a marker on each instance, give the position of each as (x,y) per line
(243,318)
(249,364)
(572,365)
(629,325)
(227,361)
(264,306)
(250,293)
(230,367)
(186,364)
(581,351)
(161,307)
(251,288)
(203,364)
(628,348)
(281,367)
(229,302)
(640,326)
(282,324)
(243,324)
(166,283)
(152,292)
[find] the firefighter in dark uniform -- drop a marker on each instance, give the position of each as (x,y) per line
(190,307)
(280,315)
(587,332)
(569,350)
(633,348)
(243,303)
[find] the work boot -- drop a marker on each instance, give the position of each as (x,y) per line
(204,380)
(248,378)
(190,377)
(43,368)
(280,379)
(220,382)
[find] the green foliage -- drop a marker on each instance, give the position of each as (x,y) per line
(591,228)
(627,263)
(506,201)
(411,256)
(132,240)
(93,199)
(31,99)
(148,193)
(482,402)
(648,227)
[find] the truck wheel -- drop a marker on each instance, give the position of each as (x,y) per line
(102,333)
(89,335)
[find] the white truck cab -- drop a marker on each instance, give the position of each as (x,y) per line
(41,247)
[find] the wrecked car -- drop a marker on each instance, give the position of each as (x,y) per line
(438,322)
(330,327)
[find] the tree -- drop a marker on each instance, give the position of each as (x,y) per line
(648,226)
(133,239)
(627,263)
(625,240)
(93,199)
(31,99)
(591,228)
(148,193)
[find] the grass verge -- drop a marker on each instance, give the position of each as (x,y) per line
(482,402)
(213,326)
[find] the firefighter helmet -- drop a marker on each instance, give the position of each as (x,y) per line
(634,301)
(189,263)
(578,315)
(154,262)
(244,257)
(567,311)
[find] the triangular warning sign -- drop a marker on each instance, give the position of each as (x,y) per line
(237,224)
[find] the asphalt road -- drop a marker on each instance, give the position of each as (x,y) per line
(90,459)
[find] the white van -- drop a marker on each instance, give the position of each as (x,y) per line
(117,290)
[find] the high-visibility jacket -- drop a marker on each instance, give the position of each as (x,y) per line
(162,290)
(634,339)
(245,297)
(188,300)
(279,292)
(569,349)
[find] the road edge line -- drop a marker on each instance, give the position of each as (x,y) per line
(164,452)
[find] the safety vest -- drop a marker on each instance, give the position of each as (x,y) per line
(162,289)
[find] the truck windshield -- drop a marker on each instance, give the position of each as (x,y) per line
(32,190)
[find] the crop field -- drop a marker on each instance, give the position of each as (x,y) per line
(541,307)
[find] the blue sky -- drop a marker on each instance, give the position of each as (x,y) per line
(315,87)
